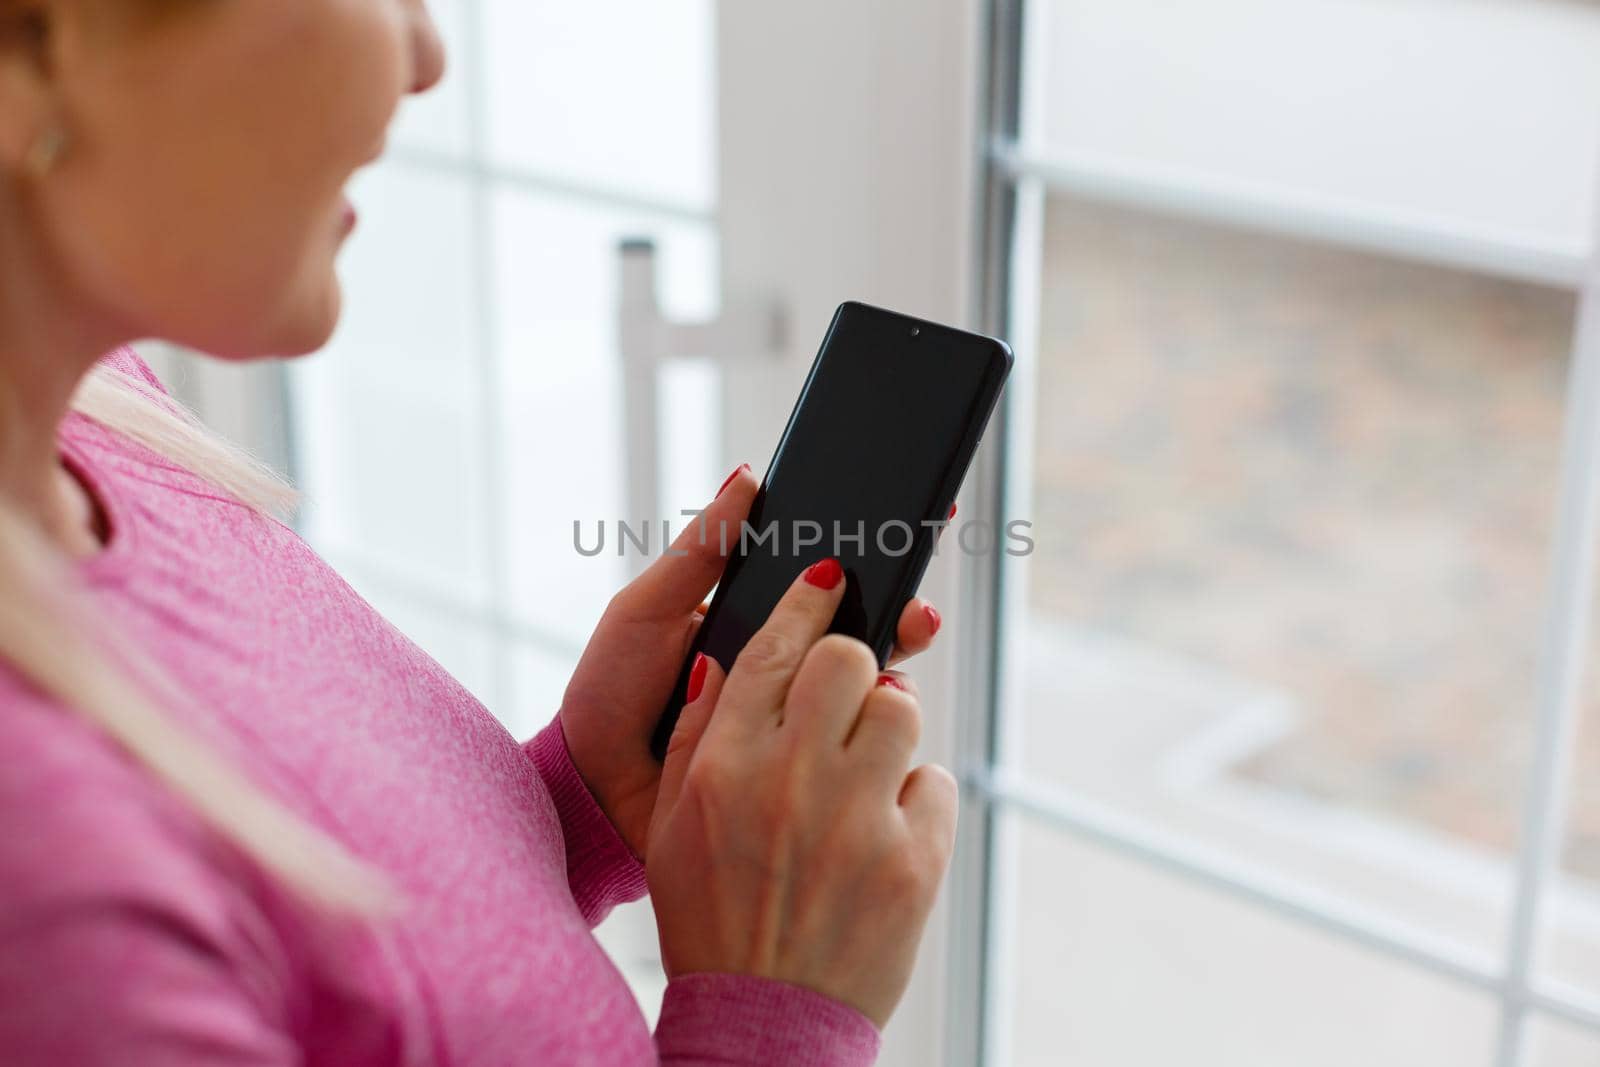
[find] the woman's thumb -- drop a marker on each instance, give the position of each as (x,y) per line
(705,682)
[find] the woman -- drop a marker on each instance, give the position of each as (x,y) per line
(242,819)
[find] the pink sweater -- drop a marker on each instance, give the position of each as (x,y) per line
(131,935)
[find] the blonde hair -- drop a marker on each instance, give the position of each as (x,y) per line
(42,613)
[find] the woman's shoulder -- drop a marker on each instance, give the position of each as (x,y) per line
(88,835)
(127,932)
(89,838)
(119,905)
(79,815)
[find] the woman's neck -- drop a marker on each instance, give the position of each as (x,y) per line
(48,342)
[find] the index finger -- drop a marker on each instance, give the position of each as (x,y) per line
(753,694)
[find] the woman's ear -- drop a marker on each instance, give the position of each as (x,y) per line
(26,109)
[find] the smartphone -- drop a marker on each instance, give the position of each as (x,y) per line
(866,471)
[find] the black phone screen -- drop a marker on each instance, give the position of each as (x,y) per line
(866,471)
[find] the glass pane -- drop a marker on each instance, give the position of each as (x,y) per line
(1292,512)
(388,443)
(436,121)
(1570,938)
(556,268)
(1110,962)
(539,677)
(629,937)
(610,93)
(1376,109)
(1560,1044)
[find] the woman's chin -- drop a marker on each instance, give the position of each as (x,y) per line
(311,327)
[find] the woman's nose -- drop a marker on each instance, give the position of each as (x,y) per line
(427,50)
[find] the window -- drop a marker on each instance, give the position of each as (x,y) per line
(1307,419)
(469,408)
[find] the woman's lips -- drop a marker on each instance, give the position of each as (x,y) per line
(347,211)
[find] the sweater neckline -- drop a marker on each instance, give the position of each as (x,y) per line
(117,548)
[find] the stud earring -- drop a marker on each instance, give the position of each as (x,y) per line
(45,151)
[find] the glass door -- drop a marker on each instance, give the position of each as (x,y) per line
(1288,695)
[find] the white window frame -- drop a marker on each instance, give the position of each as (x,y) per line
(1017,177)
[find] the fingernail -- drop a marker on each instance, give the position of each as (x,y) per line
(729,479)
(952,514)
(697,678)
(933,616)
(892,682)
(824,574)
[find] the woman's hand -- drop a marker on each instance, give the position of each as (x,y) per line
(631,663)
(791,839)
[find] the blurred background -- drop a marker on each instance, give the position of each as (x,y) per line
(1283,746)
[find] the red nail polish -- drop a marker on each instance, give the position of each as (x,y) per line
(952,514)
(824,574)
(697,678)
(892,682)
(933,616)
(729,479)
